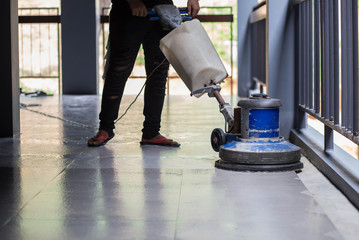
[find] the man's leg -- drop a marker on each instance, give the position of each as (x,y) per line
(156,85)
(126,34)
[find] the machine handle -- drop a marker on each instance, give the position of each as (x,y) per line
(154,17)
(210,90)
(224,108)
(181,10)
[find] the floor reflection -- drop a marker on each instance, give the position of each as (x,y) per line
(52,186)
(10,192)
(162,189)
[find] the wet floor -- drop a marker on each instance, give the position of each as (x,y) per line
(52,186)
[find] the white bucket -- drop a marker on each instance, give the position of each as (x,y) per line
(192,54)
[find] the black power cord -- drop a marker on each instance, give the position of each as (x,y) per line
(26,106)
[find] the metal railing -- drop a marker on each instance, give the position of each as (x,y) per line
(39,43)
(327,65)
(218,22)
(257,21)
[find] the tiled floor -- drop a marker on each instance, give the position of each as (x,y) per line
(52,186)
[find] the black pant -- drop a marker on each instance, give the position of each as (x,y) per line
(127,33)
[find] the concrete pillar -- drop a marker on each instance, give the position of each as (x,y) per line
(245,8)
(281,59)
(80,26)
(9,68)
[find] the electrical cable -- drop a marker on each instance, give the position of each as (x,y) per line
(143,86)
(24,106)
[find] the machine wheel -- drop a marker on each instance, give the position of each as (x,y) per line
(218,138)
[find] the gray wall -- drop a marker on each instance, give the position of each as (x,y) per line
(281,59)
(80,26)
(244,45)
(9,68)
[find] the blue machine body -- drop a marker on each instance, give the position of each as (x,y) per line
(264,123)
(258,142)
(267,145)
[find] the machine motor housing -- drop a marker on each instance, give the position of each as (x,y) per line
(254,142)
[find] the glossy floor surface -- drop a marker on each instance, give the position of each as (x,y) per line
(52,186)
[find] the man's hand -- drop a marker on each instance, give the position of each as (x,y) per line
(138,8)
(192,7)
